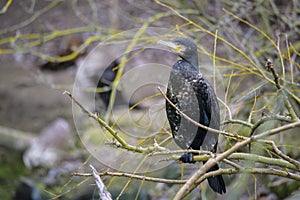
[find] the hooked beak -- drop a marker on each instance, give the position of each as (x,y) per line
(175,47)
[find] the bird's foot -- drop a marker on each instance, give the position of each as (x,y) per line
(187,158)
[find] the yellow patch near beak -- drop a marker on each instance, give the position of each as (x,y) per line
(175,47)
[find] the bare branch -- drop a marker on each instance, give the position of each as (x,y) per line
(265,160)
(270,67)
(103,191)
(270,171)
(120,140)
(135,176)
(282,155)
(237,121)
(269,118)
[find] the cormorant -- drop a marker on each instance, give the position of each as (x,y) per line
(194,96)
(106,80)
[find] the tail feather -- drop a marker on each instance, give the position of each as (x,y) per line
(216,182)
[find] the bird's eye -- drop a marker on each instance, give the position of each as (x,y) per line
(182,48)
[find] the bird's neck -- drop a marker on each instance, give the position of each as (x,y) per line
(193,61)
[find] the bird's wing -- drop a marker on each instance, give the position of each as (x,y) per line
(172,114)
(181,93)
(209,114)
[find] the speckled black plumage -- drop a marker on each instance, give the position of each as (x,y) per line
(194,96)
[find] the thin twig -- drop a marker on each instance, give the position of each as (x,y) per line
(134,176)
(270,171)
(270,67)
(179,152)
(237,121)
(269,118)
(5,7)
(282,155)
(114,133)
(233,164)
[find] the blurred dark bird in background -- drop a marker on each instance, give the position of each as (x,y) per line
(104,85)
(136,60)
(105,82)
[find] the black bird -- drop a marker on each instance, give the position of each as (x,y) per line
(106,80)
(194,96)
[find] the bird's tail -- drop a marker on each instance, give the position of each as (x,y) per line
(216,182)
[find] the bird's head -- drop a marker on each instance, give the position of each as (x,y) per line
(184,48)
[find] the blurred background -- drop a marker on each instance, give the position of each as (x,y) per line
(43,43)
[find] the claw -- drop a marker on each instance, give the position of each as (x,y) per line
(187,158)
